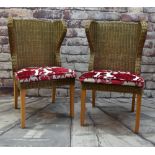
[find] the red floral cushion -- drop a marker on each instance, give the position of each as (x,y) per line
(112,77)
(32,74)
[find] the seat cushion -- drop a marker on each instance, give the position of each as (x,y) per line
(112,77)
(32,74)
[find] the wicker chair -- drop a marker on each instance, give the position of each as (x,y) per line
(115,61)
(35,50)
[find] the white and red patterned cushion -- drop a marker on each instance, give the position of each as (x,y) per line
(32,74)
(112,77)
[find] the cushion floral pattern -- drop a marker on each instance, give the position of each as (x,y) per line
(112,77)
(32,74)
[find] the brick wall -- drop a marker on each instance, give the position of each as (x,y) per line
(74,51)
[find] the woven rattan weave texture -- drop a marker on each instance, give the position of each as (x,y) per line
(116,45)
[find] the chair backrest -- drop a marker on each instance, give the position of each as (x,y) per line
(116,45)
(35,42)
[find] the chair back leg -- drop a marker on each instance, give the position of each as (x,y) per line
(72,100)
(138,111)
(83,108)
(15,95)
(22,107)
(133,103)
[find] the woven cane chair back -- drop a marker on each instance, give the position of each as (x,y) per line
(35,43)
(116,45)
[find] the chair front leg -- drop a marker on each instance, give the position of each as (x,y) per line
(93,97)
(15,95)
(22,111)
(53,94)
(133,103)
(83,108)
(138,111)
(72,100)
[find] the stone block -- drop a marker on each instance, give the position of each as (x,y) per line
(149,52)
(3,21)
(3,13)
(43,14)
(114,9)
(20,12)
(77,58)
(150,35)
(147,76)
(148,44)
(76,32)
(128,17)
(11,74)
(149,9)
(68,65)
(151,27)
(76,42)
(148,68)
(5,57)
(77,14)
(75,50)
(57,14)
(150,85)
(82,67)
(84,22)
(148,60)
(92,8)
(135,9)
(6,48)
(7,82)
(4,74)
(4,40)
(63,58)
(66,14)
(110,16)
(5,65)
(152,17)
(3,31)
(76,8)
(153,77)
(73,23)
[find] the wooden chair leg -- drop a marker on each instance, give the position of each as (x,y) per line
(72,100)
(93,97)
(53,94)
(138,111)
(133,103)
(22,96)
(83,108)
(15,95)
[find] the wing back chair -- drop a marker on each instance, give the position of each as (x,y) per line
(35,51)
(115,61)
